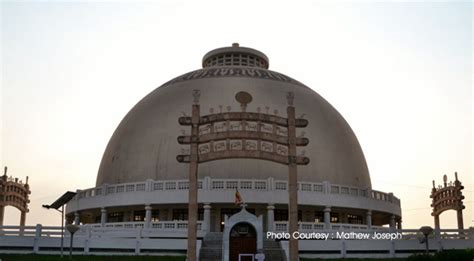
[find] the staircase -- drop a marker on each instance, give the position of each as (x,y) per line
(273,251)
(211,248)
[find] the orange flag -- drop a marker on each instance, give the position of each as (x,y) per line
(238,198)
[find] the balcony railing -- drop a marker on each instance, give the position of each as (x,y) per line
(231,184)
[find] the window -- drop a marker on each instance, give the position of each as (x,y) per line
(155,215)
(282,215)
(353,219)
(139,215)
(334,217)
(180,214)
(318,217)
(115,217)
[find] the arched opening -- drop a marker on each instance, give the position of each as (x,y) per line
(10,216)
(243,240)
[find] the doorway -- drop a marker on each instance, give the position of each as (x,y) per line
(243,240)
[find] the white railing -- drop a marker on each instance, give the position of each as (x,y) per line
(231,184)
(282,226)
(117,240)
(161,225)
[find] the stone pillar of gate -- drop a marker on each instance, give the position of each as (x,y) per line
(2,211)
(22,218)
(436,221)
(270,217)
(460,220)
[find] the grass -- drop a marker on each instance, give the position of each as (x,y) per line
(32,257)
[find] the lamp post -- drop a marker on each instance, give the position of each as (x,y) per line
(426,230)
(62,225)
(72,229)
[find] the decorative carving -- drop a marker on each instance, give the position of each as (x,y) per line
(250,145)
(447,197)
(206,129)
(236,145)
(290,97)
(234,72)
(14,193)
(267,147)
(196,95)
(235,126)
(282,150)
(204,149)
(219,146)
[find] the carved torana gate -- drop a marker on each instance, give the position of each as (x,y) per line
(447,197)
(252,135)
(14,193)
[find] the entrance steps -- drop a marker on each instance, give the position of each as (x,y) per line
(211,248)
(273,250)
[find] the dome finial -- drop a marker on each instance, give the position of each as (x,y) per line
(235,55)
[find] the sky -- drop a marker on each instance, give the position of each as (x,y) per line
(400,73)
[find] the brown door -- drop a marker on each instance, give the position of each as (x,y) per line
(243,240)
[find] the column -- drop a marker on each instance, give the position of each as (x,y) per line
(436,221)
(22,218)
(2,211)
(22,222)
(292,179)
(392,222)
(399,224)
(369,218)
(327,217)
(148,216)
(270,217)
(103,216)
(206,225)
(193,171)
(460,221)
(77,218)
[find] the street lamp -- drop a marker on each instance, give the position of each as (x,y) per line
(59,203)
(72,229)
(62,225)
(426,230)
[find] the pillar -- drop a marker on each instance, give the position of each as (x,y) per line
(369,218)
(2,211)
(193,171)
(22,218)
(148,216)
(292,179)
(270,217)
(399,224)
(436,221)
(460,221)
(392,222)
(327,217)
(77,218)
(22,222)
(103,216)
(207,218)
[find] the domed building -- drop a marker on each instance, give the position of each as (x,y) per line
(143,175)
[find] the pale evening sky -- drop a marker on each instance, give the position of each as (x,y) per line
(399,73)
